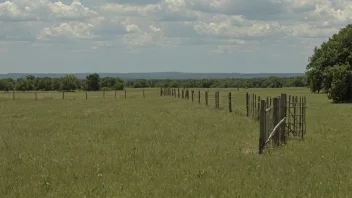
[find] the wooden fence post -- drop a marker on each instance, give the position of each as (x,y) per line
(301,116)
(206,97)
(230,102)
(183,93)
(276,137)
(178,92)
(192,95)
(199,96)
(304,112)
(255,106)
(283,115)
(262,133)
(258,108)
(294,115)
(289,116)
(247,106)
(161,91)
(216,97)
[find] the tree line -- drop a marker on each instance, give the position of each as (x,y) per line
(94,82)
(270,82)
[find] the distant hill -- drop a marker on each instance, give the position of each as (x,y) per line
(158,75)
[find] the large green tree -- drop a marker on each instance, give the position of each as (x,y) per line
(330,67)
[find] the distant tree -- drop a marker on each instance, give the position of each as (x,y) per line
(93,82)
(56,84)
(119,84)
(6,84)
(330,69)
(69,82)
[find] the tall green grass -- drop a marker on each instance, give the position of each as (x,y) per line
(166,147)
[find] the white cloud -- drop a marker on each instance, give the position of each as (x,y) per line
(227,25)
(70,30)
(43,10)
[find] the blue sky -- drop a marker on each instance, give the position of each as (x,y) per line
(247,36)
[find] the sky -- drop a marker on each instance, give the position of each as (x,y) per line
(118,36)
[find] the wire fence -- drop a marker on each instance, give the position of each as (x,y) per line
(279,117)
(74,95)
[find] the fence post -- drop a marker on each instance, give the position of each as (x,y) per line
(305,109)
(230,102)
(252,105)
(206,97)
(216,104)
(294,115)
(283,115)
(183,93)
(289,116)
(276,137)
(247,106)
(199,96)
(178,92)
(192,92)
(161,91)
(218,99)
(301,116)
(258,108)
(262,137)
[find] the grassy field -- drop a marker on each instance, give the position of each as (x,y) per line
(166,147)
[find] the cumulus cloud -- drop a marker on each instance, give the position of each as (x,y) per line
(43,10)
(227,25)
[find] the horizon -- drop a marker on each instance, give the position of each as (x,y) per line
(150,72)
(134,36)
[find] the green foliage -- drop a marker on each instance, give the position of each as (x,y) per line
(70,83)
(336,52)
(271,82)
(113,83)
(341,83)
(93,82)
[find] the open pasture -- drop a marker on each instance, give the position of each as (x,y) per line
(162,146)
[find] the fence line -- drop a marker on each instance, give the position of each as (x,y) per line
(63,95)
(278,117)
(281,118)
